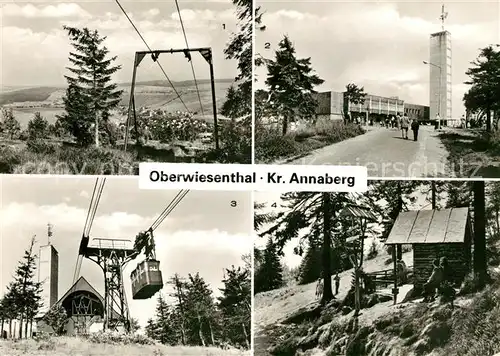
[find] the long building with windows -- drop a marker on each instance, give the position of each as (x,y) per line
(332,105)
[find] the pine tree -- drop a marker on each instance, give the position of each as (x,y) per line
(236,138)
(310,266)
(91,95)
(291,83)
(150,329)
(164,330)
(200,310)
(269,276)
(483,95)
(38,127)
(26,293)
(10,125)
(320,213)
(239,99)
(179,314)
(235,304)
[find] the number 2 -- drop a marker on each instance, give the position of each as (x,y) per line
(267,45)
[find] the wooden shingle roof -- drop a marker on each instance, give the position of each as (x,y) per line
(429,226)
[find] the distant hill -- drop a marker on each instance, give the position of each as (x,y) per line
(180,84)
(12,95)
(26,94)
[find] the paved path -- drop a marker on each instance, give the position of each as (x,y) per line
(386,154)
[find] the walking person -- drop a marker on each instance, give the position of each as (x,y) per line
(404,127)
(337,283)
(415,125)
(319,288)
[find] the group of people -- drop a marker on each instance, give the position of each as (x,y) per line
(319,286)
(404,123)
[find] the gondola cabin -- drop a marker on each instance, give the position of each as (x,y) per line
(146,279)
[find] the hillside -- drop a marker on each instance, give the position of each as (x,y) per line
(276,306)
(155,93)
(75,346)
(289,322)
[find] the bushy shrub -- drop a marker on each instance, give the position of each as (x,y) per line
(235,141)
(120,338)
(271,145)
(41,147)
(166,127)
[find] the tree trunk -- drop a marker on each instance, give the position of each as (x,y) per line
(247,343)
(10,328)
(326,250)
(181,306)
(211,332)
(479,231)
(200,330)
(497,222)
(21,319)
(488,120)
(285,125)
(433,195)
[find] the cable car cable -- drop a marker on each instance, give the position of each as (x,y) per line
(149,48)
(94,203)
(189,56)
(174,204)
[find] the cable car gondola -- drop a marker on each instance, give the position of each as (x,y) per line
(146,279)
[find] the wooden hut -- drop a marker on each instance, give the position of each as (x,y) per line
(435,234)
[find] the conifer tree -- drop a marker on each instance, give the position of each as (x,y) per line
(24,291)
(10,125)
(200,310)
(269,276)
(291,83)
(91,95)
(235,305)
(38,127)
(310,266)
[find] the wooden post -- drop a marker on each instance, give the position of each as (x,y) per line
(214,102)
(395,265)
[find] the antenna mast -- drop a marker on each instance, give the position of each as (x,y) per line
(443,17)
(49,232)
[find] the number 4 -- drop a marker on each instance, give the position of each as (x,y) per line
(274,205)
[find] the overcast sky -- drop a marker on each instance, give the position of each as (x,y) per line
(379,45)
(203,234)
(35,46)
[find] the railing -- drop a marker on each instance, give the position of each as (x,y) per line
(385,278)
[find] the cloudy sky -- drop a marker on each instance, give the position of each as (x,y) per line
(33,38)
(203,234)
(380,45)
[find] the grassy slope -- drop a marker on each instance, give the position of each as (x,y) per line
(274,306)
(74,346)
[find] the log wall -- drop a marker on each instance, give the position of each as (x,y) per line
(457,254)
